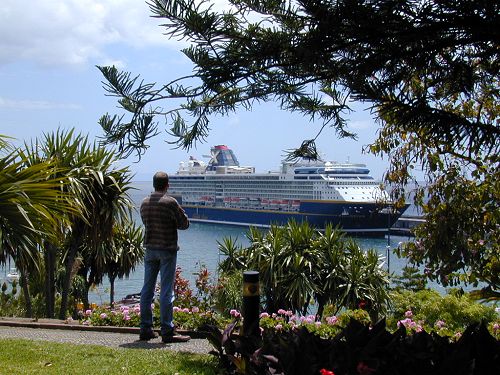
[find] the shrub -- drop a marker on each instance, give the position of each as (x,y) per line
(123,316)
(450,313)
(298,265)
(356,349)
(228,293)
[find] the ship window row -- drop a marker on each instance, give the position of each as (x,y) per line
(242,177)
(256,194)
(308,178)
(242,188)
(350,178)
(356,187)
(351,183)
(179,178)
(258,184)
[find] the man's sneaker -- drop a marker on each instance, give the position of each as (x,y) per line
(147,334)
(174,336)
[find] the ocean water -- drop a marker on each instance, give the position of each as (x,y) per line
(199,246)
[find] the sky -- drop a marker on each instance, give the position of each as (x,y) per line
(48,81)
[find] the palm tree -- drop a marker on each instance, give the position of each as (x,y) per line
(98,191)
(331,246)
(29,209)
(116,258)
(363,282)
(286,261)
(127,245)
(231,251)
(297,262)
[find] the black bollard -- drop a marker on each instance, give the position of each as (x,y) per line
(251,303)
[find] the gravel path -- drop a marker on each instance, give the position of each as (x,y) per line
(110,339)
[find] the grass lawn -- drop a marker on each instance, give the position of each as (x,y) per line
(18,356)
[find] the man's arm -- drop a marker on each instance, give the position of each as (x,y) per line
(181,218)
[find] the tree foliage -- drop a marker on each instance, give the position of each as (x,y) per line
(297,263)
(429,71)
(97,187)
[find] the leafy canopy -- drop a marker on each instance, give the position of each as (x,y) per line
(428,70)
(414,62)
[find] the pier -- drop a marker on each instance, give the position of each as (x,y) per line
(405,225)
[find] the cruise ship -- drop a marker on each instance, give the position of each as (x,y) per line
(221,191)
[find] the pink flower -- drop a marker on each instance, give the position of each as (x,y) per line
(186,310)
(326,372)
(496,327)
(137,309)
(126,317)
(282,312)
(264,315)
(332,320)
(310,319)
(103,316)
(177,309)
(278,327)
(406,322)
(88,312)
(234,313)
(440,324)
(195,309)
(409,314)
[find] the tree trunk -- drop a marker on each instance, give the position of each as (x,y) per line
(70,262)
(50,269)
(321,306)
(26,292)
(111,291)
(85,297)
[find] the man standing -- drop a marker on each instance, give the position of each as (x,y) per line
(162,217)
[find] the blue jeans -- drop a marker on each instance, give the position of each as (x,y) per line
(163,262)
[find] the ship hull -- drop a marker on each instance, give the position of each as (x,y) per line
(361,219)
(317,192)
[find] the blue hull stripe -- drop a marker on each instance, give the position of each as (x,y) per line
(360,219)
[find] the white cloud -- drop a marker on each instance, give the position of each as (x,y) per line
(7,103)
(119,64)
(73,32)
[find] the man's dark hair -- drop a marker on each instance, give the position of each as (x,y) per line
(160,180)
